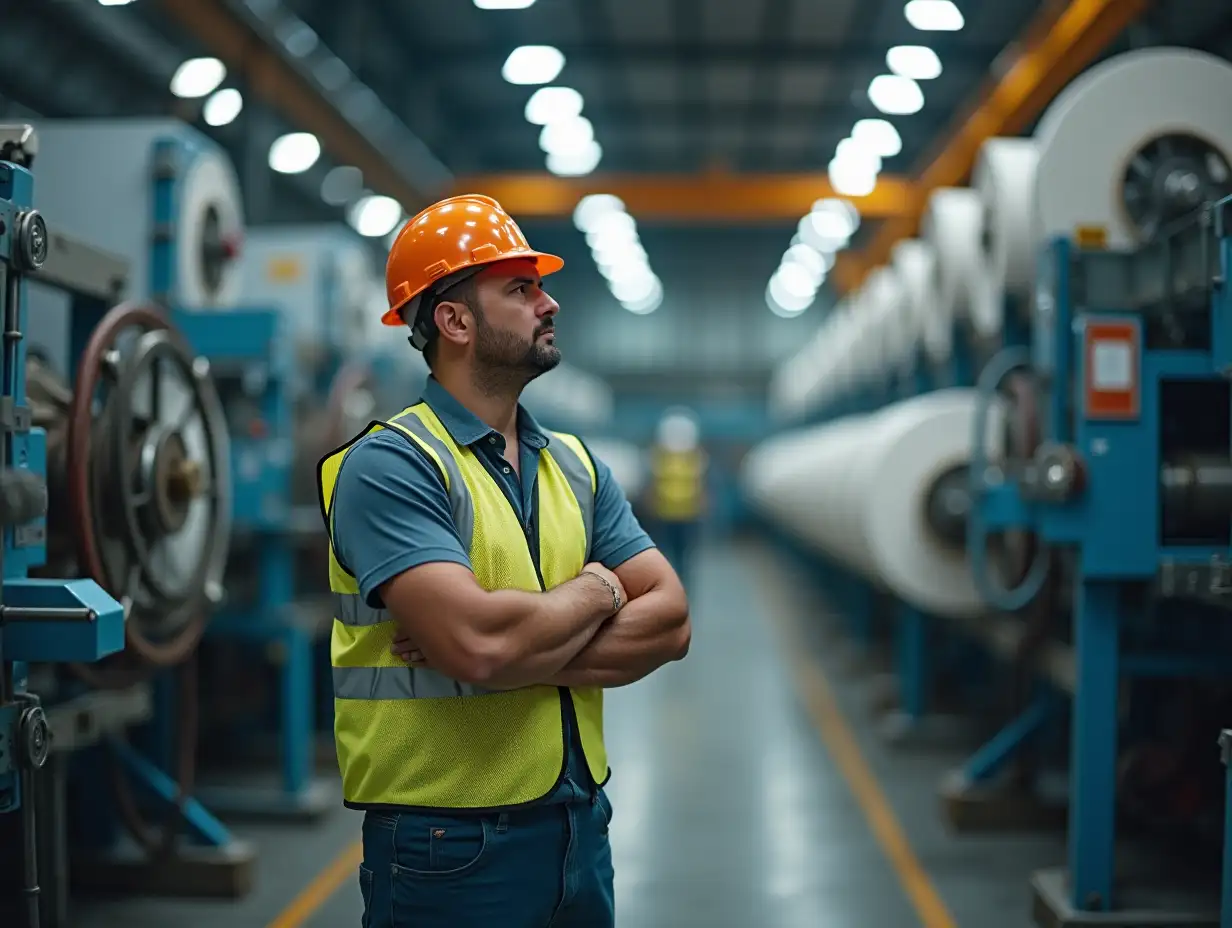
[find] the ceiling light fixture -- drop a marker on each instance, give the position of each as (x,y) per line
(533,64)
(895,95)
(934,15)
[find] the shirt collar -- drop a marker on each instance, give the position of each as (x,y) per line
(466,428)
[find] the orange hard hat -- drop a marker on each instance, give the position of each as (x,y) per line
(457,234)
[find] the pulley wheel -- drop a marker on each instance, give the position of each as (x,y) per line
(148,473)
(1022,437)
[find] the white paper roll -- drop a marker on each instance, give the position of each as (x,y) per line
(857,489)
(1100,131)
(1004,179)
(915,262)
(891,327)
(951,225)
(210,215)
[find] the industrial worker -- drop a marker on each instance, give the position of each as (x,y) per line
(490,581)
(677,487)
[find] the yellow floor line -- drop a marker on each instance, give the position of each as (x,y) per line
(344,867)
(818,698)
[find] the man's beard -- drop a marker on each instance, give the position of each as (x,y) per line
(504,362)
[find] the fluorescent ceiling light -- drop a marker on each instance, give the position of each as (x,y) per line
(842,207)
(553,104)
(198,77)
(375,216)
(590,208)
(222,108)
(634,288)
(808,259)
(503,4)
(297,38)
(878,135)
(114,2)
(918,62)
(575,163)
(853,151)
(567,136)
(796,280)
(294,152)
(850,180)
(896,95)
(342,184)
(649,303)
(835,218)
(635,269)
(533,64)
(782,301)
(934,15)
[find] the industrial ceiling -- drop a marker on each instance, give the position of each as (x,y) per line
(722,113)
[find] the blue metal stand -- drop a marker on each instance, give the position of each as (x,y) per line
(237,344)
(1092,831)
(1225,905)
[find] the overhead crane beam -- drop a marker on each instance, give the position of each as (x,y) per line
(717,197)
(272,78)
(1062,40)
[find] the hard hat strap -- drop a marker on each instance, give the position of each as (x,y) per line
(422,308)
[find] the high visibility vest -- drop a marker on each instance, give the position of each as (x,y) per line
(676,484)
(416,737)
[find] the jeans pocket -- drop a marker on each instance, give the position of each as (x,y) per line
(439,847)
(365,892)
(605,808)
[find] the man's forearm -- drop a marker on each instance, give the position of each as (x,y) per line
(560,624)
(647,633)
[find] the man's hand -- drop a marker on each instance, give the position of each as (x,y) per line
(406,649)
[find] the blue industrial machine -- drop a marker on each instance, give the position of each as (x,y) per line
(44,620)
(266,613)
(144,518)
(1130,479)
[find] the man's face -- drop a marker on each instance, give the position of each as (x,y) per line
(515,324)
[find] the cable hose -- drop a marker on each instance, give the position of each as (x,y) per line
(999,597)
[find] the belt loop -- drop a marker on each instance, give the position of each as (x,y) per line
(502,823)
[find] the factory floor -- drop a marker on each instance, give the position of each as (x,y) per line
(750,790)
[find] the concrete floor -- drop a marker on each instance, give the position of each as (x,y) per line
(744,782)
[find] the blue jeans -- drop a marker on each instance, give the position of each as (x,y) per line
(548,866)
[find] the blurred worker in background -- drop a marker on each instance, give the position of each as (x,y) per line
(490,580)
(677,487)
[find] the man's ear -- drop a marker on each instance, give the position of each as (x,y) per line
(454,322)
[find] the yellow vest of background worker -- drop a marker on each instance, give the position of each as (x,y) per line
(676,484)
(415,737)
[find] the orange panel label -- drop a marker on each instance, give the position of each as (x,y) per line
(1112,352)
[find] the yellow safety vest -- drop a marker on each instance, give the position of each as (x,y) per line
(677,484)
(415,737)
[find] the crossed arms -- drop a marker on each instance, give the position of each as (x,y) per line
(567,636)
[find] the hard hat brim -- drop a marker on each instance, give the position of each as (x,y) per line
(545,264)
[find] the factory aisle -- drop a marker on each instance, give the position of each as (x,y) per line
(733,797)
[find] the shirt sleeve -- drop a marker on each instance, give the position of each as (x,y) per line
(618,535)
(391,513)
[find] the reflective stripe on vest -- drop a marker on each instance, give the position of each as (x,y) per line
(441,750)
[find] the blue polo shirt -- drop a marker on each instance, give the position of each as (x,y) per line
(391,513)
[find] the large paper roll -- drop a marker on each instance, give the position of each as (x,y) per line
(1134,143)
(857,491)
(914,261)
(211,230)
(952,225)
(890,327)
(1004,179)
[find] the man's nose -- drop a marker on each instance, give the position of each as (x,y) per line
(548,307)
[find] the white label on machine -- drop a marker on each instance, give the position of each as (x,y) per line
(1112,365)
